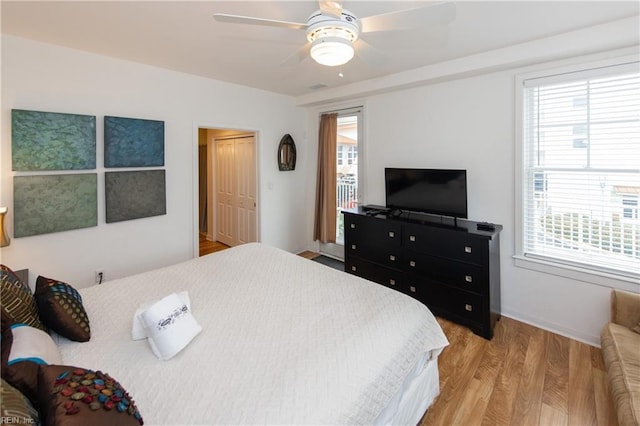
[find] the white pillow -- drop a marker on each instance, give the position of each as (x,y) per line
(137,328)
(169,326)
(32,344)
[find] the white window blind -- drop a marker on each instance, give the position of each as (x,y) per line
(581,169)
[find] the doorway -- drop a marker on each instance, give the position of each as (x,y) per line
(227,188)
(348,172)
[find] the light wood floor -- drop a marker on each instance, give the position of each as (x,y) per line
(523,376)
(207,246)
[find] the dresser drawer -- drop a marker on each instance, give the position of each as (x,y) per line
(366,230)
(374,272)
(388,256)
(447,300)
(466,276)
(444,242)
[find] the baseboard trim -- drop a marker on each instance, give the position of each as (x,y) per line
(555,328)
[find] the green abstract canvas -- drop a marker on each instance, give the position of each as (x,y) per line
(52,141)
(54,203)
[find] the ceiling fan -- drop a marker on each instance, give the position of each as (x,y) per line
(332,31)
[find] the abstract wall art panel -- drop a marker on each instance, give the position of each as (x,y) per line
(54,203)
(52,141)
(132,142)
(135,194)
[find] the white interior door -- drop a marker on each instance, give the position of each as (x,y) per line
(246,184)
(225,191)
(236,190)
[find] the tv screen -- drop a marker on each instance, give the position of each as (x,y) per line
(435,191)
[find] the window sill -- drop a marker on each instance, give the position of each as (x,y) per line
(592,277)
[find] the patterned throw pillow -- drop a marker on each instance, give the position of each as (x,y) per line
(61,309)
(71,396)
(16,406)
(17,300)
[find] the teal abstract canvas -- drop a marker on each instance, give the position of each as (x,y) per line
(135,194)
(52,141)
(133,142)
(54,203)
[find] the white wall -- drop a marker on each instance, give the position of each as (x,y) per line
(43,77)
(467,121)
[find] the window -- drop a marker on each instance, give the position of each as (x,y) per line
(581,169)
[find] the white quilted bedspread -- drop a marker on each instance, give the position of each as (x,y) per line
(284,341)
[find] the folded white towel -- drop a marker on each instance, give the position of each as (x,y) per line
(137,328)
(169,326)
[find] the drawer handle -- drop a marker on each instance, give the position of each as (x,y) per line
(354,269)
(392,234)
(392,282)
(353,226)
(353,246)
(392,257)
(412,289)
(468,278)
(412,237)
(468,307)
(467,249)
(412,263)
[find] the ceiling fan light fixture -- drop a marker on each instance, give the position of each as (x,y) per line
(331,51)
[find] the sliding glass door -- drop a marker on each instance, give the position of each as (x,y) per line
(348,168)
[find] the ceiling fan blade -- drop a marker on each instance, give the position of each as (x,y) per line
(237,19)
(369,54)
(298,56)
(331,7)
(436,14)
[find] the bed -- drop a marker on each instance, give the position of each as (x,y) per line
(283,340)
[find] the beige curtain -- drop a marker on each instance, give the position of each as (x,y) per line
(324,228)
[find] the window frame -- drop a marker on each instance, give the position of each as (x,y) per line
(549,266)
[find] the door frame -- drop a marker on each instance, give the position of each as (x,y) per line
(195,228)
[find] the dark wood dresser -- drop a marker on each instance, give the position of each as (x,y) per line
(452,267)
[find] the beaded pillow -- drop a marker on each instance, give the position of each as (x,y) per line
(61,309)
(17,300)
(73,396)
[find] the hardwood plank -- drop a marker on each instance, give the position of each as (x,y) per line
(501,405)
(605,409)
(529,395)
(550,415)
(556,381)
(582,405)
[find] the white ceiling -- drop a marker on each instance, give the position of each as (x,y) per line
(183,36)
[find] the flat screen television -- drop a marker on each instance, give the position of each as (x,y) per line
(435,191)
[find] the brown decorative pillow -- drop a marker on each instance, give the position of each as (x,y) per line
(16,406)
(61,309)
(17,300)
(73,396)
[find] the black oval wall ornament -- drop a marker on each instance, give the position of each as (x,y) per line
(287,153)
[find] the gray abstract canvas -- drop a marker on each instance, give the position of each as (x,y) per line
(134,194)
(54,203)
